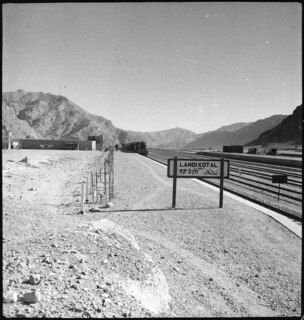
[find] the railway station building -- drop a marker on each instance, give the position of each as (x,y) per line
(93,143)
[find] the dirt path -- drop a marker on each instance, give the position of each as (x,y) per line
(142,258)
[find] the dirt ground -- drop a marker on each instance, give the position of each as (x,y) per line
(139,258)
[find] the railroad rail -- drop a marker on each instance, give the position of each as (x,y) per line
(252,181)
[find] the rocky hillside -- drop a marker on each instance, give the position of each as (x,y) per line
(48,116)
(167,139)
(176,137)
(218,138)
(234,126)
(289,131)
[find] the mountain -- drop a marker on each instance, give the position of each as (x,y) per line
(218,138)
(289,131)
(166,139)
(234,126)
(175,138)
(48,116)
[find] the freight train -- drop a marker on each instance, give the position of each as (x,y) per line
(138,147)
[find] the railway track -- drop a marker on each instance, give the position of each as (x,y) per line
(253,182)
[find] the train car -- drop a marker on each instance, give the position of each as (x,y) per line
(142,148)
(133,146)
(138,147)
(235,149)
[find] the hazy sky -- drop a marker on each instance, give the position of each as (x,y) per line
(155,66)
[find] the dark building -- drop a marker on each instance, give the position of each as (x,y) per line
(55,144)
(99,141)
(236,149)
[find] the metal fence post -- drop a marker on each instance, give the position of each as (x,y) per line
(87,189)
(222,182)
(113,173)
(105,177)
(92,184)
(82,197)
(96,188)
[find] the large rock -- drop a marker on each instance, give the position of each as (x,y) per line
(32,297)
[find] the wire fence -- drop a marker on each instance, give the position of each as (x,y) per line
(98,185)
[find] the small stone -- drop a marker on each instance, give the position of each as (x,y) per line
(20,315)
(210,279)
(75,286)
(32,297)
(105,261)
(109,204)
(95,210)
(77,309)
(10,297)
(54,245)
(73,251)
(225,251)
(103,287)
(35,279)
(106,302)
(46,315)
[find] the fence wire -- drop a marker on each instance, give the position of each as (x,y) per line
(98,185)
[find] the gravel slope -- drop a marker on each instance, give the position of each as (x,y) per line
(233,261)
(143,258)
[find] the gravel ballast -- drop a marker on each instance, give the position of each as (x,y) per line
(140,257)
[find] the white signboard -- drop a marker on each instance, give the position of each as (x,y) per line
(194,168)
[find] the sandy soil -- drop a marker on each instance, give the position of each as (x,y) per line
(139,258)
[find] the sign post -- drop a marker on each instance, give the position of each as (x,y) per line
(195,168)
(279,178)
(174,182)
